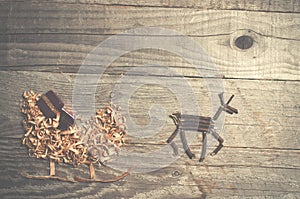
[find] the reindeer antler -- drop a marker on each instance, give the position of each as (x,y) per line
(225,107)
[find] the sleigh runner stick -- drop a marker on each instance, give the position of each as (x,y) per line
(52,167)
(92,170)
(80,179)
(26,175)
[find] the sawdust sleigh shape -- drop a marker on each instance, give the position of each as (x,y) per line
(73,146)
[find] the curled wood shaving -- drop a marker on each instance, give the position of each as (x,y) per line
(102,134)
(45,140)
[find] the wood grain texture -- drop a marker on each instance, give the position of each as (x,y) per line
(65,53)
(63,43)
(42,46)
(101,19)
(287,6)
(260,157)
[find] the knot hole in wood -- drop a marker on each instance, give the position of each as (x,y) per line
(247,43)
(244,42)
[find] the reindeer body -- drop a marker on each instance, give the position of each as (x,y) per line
(201,124)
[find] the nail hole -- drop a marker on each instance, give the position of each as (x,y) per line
(244,42)
(176,173)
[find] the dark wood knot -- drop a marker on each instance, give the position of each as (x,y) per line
(244,42)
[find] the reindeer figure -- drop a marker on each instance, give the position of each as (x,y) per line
(202,124)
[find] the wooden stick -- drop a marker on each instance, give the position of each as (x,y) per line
(26,175)
(204,143)
(92,171)
(175,148)
(76,178)
(52,168)
(220,140)
(230,99)
(185,145)
(80,179)
(171,138)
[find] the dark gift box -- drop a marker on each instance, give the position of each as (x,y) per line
(66,120)
(50,104)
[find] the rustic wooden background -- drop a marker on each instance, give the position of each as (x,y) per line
(42,45)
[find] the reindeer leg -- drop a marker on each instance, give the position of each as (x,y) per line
(175,148)
(220,140)
(203,151)
(185,145)
(171,138)
(172,143)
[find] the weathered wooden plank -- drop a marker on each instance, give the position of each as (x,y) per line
(261,140)
(100,19)
(260,157)
(253,5)
(269,59)
(268,118)
(250,156)
(43,44)
(274,55)
(230,173)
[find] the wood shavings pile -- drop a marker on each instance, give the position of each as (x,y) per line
(104,134)
(92,143)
